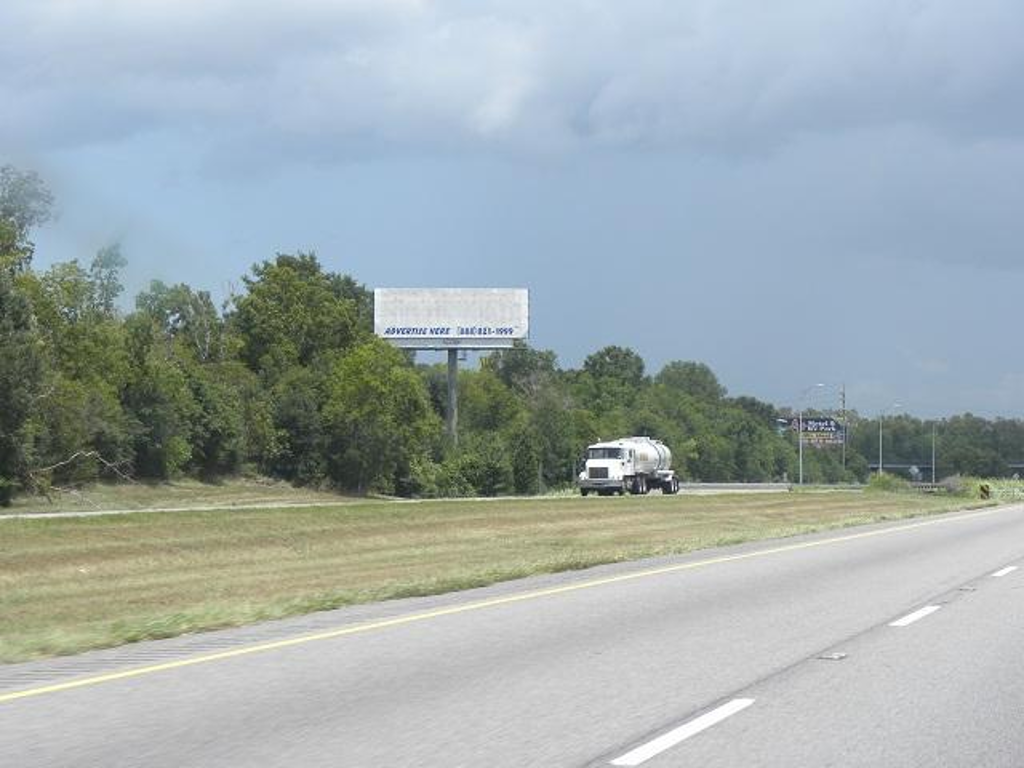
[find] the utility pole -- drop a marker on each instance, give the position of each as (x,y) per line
(933,453)
(879,445)
(842,410)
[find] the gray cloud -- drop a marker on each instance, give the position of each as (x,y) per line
(527,76)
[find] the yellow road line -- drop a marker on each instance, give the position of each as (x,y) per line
(480,604)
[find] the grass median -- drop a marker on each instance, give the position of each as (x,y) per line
(172,495)
(68,585)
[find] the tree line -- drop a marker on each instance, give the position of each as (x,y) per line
(287,380)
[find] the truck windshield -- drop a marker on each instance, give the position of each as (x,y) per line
(604,453)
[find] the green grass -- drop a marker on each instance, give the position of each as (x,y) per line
(180,493)
(67,585)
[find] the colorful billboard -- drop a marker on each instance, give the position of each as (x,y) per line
(819,430)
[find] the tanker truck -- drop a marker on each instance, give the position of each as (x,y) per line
(634,464)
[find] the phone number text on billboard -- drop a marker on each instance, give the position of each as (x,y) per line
(460,331)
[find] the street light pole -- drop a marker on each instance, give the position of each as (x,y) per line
(800,439)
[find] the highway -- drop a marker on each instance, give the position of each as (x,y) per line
(897,644)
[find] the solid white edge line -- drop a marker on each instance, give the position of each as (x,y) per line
(910,618)
(645,752)
(1004,571)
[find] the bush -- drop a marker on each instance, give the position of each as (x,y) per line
(954,484)
(888,483)
(433,480)
(485,468)
(987,488)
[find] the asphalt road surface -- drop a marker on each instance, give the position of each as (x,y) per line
(893,645)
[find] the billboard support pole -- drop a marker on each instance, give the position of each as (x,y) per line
(454,320)
(452,417)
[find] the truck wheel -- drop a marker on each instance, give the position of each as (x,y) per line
(584,491)
(642,483)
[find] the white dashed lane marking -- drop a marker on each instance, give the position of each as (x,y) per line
(910,618)
(645,752)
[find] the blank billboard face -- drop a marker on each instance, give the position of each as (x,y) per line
(443,318)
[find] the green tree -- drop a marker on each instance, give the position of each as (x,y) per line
(763,413)
(187,317)
(300,441)
(217,433)
(969,447)
(292,313)
(84,344)
(105,277)
(485,403)
(25,202)
(695,379)
(378,416)
(525,452)
(159,399)
(523,370)
(618,365)
(361,299)
(85,339)
(673,418)
(21,379)
(563,430)
(484,465)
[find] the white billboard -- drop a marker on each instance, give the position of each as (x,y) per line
(446,318)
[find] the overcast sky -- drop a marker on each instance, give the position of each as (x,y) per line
(791,192)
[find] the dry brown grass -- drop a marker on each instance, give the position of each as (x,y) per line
(71,584)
